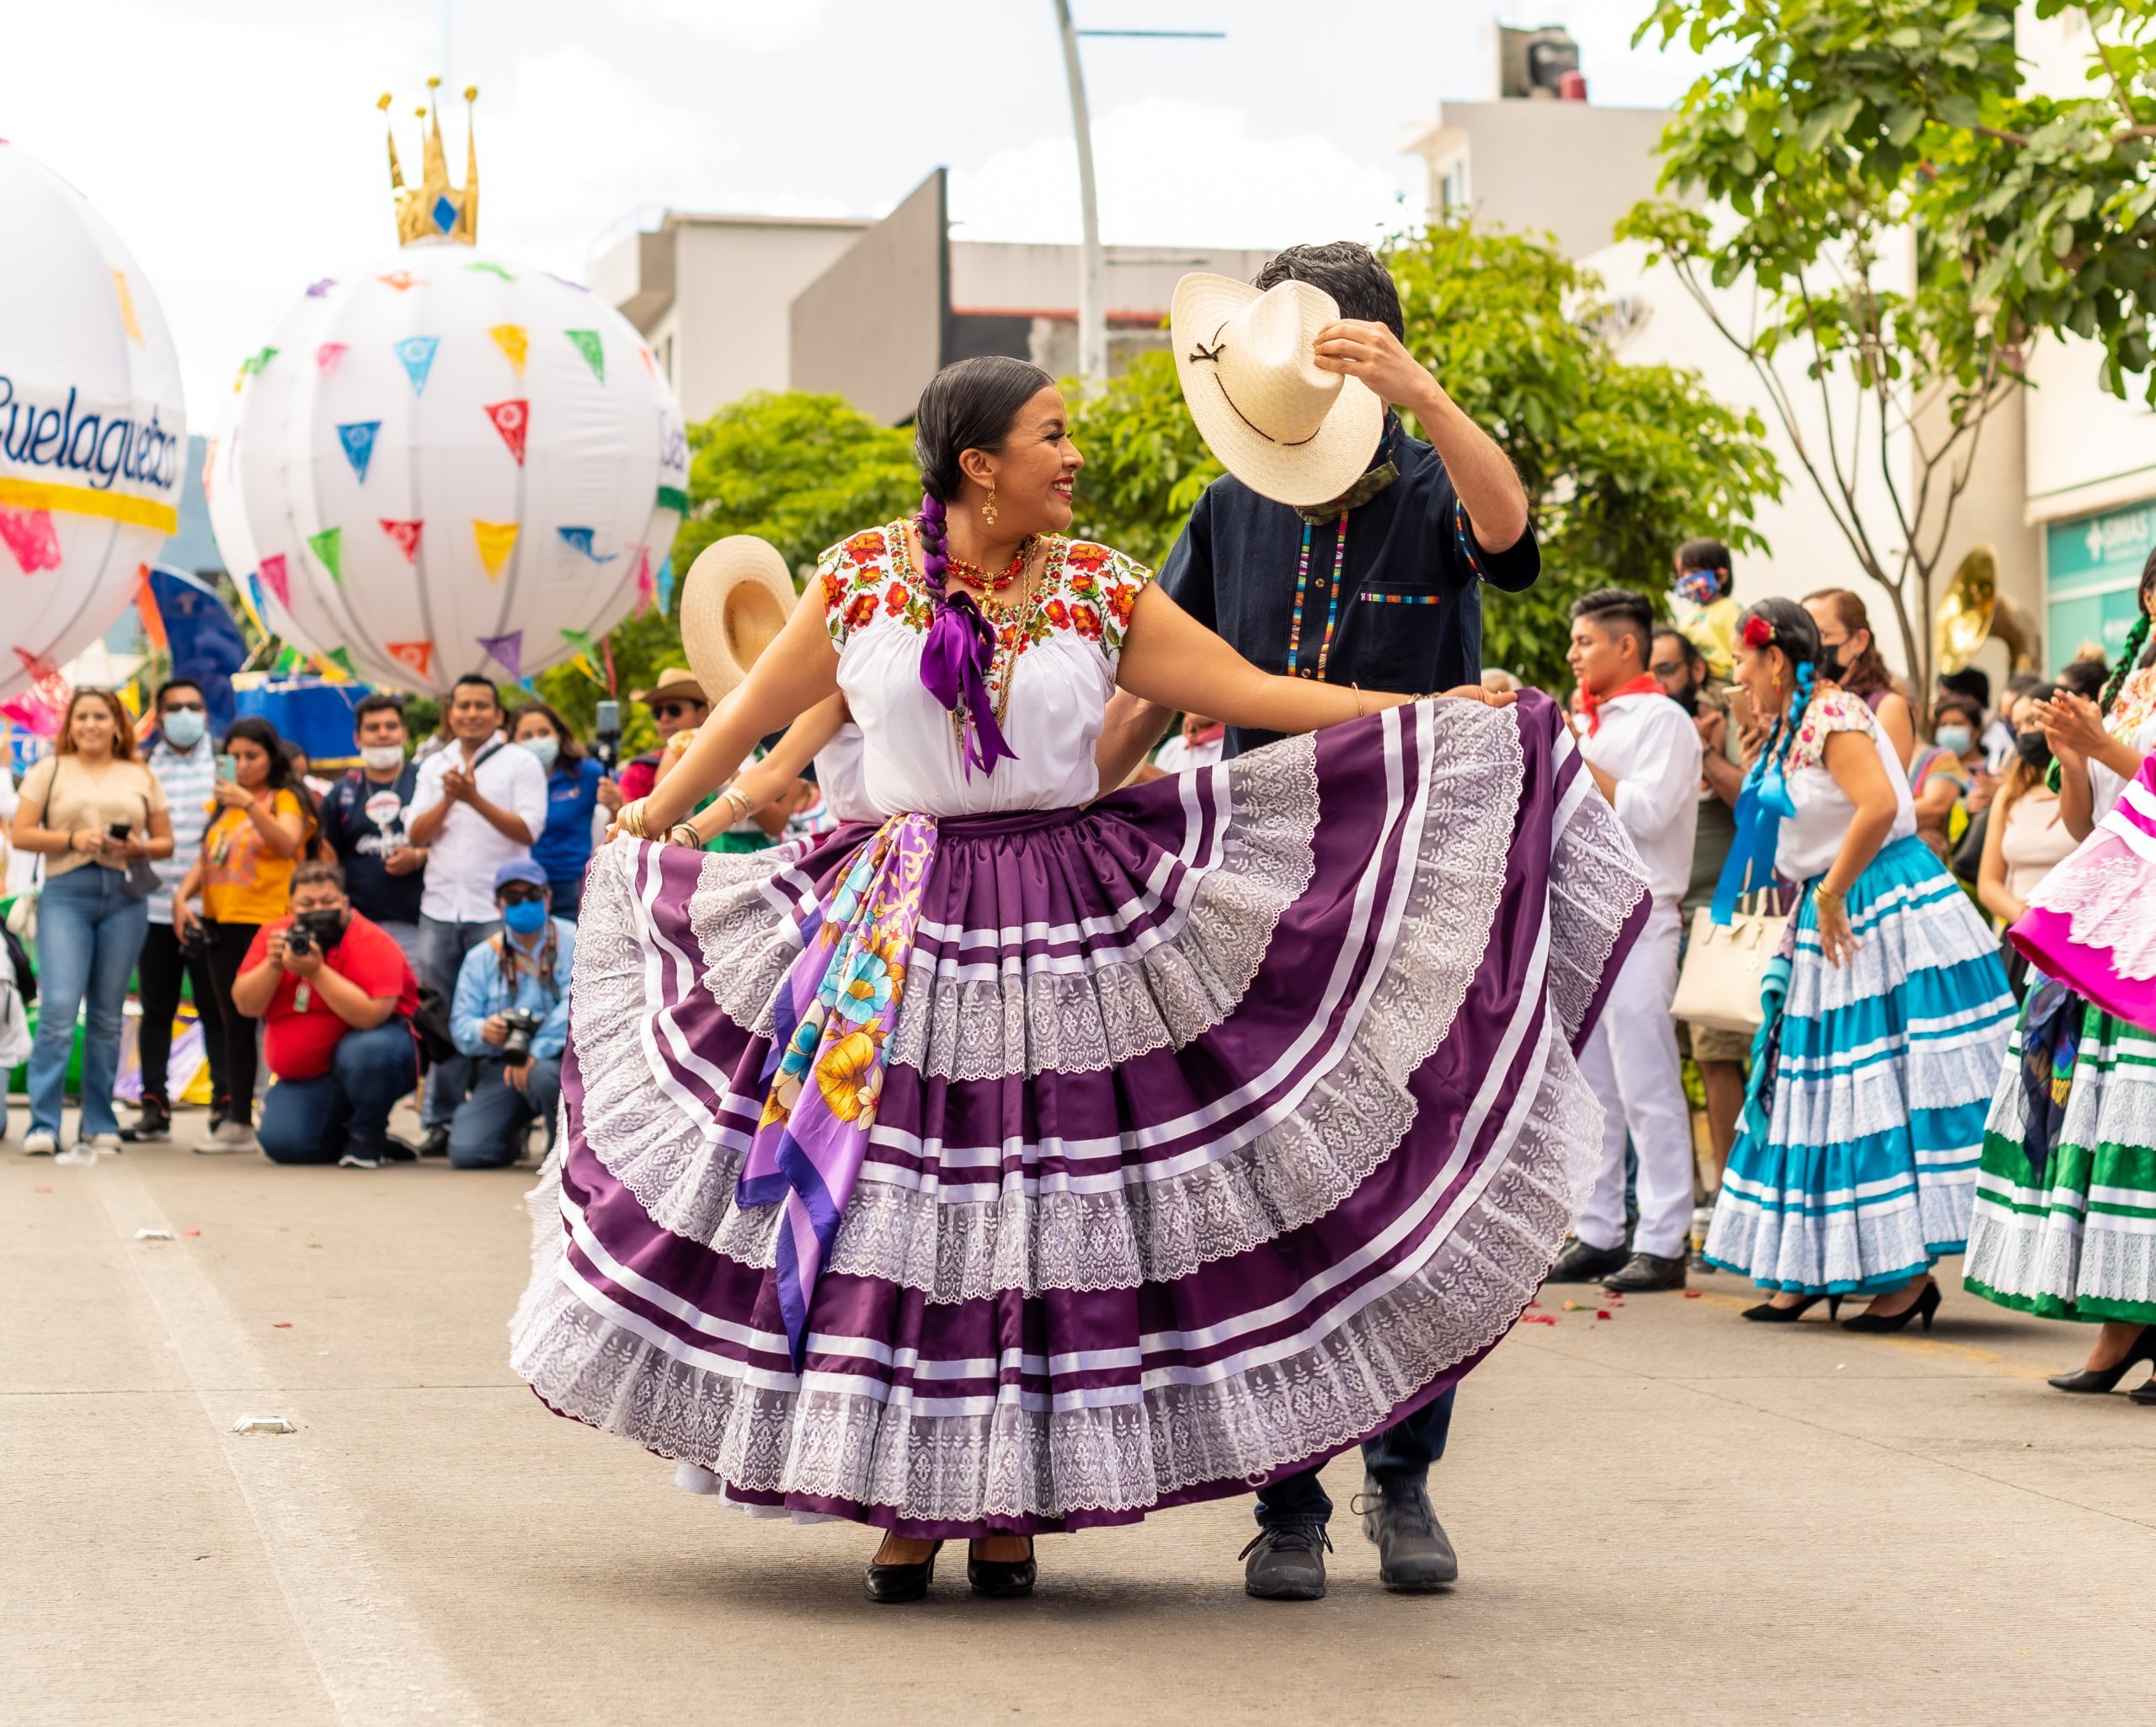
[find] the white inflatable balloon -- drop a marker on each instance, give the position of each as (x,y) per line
(448,463)
(93,426)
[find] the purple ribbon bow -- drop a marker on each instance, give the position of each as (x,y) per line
(954,665)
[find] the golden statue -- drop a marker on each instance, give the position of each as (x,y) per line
(435,210)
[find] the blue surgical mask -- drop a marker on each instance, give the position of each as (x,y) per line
(528,917)
(546,748)
(1954,740)
(183,728)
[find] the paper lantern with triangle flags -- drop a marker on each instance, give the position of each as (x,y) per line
(453,462)
(93,430)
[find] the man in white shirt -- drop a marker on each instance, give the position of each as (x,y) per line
(479,802)
(1644,753)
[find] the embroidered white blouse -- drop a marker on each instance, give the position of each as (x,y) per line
(1810,839)
(1060,649)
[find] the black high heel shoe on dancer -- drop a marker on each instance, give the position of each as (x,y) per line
(1923,1308)
(1001,1579)
(2143,1348)
(890,1584)
(1767,1314)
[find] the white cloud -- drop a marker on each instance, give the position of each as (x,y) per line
(1178,172)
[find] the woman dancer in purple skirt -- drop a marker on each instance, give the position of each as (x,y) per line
(1028,1163)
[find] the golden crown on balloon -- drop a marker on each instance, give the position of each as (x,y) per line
(435,210)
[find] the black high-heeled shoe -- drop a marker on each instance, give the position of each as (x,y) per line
(1767,1314)
(1001,1579)
(1923,1308)
(2144,1349)
(2144,1395)
(889,1584)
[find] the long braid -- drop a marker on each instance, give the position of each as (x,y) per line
(935,547)
(2136,638)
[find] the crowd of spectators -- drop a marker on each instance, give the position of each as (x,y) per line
(409,923)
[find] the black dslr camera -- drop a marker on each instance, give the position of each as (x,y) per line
(523,1026)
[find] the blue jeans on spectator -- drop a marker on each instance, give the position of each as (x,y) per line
(1402,1453)
(406,938)
(567,893)
(487,1133)
(314,1121)
(89,930)
(442,948)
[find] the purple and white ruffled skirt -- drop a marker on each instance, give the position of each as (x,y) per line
(1221,1124)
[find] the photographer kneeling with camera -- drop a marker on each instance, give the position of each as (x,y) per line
(336,996)
(511,1015)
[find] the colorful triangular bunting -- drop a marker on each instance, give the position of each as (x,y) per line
(675,498)
(342,660)
(579,540)
(127,318)
(508,650)
(400,280)
(514,343)
(407,536)
(664,583)
(316,290)
(417,354)
(277,579)
(511,419)
(30,535)
(495,539)
(326,355)
(357,436)
(329,546)
(491,268)
(416,656)
(643,581)
(593,350)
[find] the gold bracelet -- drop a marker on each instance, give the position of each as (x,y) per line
(739,799)
(1357,689)
(629,818)
(694,842)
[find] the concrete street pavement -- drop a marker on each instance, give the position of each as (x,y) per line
(1667,1515)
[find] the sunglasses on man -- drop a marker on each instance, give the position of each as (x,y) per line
(514,894)
(678,709)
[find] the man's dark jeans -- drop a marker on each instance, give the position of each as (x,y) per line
(1402,1453)
(160,966)
(314,1121)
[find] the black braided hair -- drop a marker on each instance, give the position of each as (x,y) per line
(1796,633)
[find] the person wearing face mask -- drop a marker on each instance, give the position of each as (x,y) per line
(364,819)
(1702,599)
(1945,771)
(517,1070)
(1850,656)
(183,759)
(336,996)
(576,788)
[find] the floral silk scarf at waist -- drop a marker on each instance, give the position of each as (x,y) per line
(832,1022)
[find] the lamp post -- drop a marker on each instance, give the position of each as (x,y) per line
(1092,271)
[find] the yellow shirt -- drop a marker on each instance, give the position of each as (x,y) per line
(1712,628)
(244,881)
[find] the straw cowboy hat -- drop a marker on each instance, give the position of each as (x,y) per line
(738,596)
(1280,423)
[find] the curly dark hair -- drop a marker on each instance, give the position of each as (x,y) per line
(1350,272)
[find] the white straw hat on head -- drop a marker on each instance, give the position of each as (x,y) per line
(1280,422)
(735,600)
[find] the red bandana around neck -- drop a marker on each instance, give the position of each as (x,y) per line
(1647,684)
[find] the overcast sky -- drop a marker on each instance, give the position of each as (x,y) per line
(235,146)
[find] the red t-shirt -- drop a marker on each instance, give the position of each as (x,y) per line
(301,1041)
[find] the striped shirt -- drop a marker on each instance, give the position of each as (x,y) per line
(190,777)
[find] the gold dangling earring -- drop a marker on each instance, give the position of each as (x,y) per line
(988,510)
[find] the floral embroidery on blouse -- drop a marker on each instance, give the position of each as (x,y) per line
(1086,590)
(2136,706)
(1828,711)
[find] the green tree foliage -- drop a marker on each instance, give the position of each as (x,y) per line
(1912,217)
(1622,463)
(799,470)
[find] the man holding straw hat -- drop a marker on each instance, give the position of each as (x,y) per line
(1337,547)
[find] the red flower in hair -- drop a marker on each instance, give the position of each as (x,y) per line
(1758,632)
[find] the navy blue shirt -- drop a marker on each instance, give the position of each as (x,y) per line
(361,830)
(1409,611)
(564,847)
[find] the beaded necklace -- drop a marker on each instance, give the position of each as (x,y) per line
(968,571)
